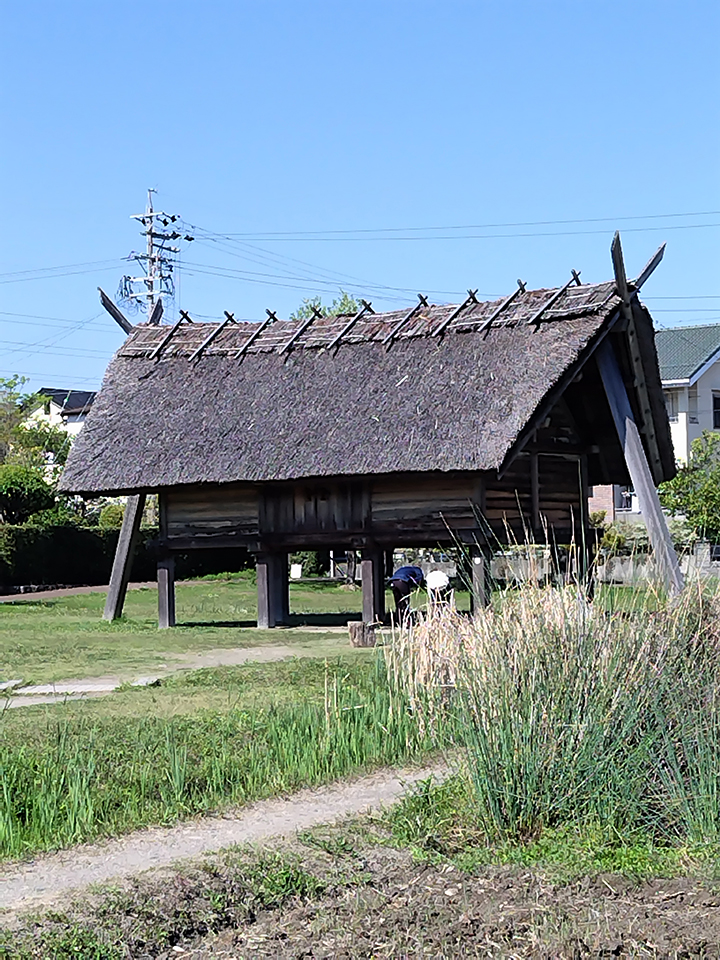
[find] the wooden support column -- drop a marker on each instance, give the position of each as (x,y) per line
(586,547)
(124,552)
(373,585)
(480,588)
(273,589)
(535,496)
(166,592)
(388,564)
(639,469)
(282,587)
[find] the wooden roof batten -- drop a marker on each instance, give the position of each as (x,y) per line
(388,339)
(170,334)
(271,318)
(229,318)
(484,327)
(316,314)
(537,316)
(454,314)
(366,307)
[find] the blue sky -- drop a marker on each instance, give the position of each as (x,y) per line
(285,117)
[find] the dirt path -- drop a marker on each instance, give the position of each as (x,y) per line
(89,687)
(52,877)
(70,592)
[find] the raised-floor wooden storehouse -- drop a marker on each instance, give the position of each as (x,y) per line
(427,426)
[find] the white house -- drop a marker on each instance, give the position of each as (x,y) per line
(690,372)
(64,408)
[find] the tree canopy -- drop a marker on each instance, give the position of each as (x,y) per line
(695,491)
(23,491)
(30,443)
(342,304)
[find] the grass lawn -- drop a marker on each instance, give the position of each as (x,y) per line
(195,744)
(46,640)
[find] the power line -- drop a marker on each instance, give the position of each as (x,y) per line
(474,226)
(57,276)
(467,236)
(28,373)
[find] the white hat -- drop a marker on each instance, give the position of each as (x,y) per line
(437,580)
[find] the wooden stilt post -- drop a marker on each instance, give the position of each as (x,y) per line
(586,547)
(479,578)
(282,587)
(639,469)
(124,552)
(166,592)
(273,589)
(373,585)
(265,585)
(388,556)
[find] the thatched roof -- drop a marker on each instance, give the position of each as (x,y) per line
(420,402)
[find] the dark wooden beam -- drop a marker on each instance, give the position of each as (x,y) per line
(535,492)
(114,311)
(156,314)
(169,335)
(649,267)
(301,329)
(454,314)
(124,553)
(485,327)
(373,585)
(365,308)
(480,589)
(646,419)
(388,339)
(271,318)
(538,315)
(273,588)
(229,318)
(639,469)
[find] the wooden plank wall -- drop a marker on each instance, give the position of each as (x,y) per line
(211,511)
(388,510)
(424,507)
(321,507)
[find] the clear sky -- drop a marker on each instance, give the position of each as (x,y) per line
(279,117)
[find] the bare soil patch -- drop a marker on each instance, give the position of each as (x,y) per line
(334,893)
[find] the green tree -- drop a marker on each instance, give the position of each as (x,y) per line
(695,491)
(342,304)
(23,491)
(15,406)
(39,444)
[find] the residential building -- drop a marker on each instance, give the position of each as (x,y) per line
(689,360)
(690,370)
(65,408)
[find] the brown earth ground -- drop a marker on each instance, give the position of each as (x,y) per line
(345,892)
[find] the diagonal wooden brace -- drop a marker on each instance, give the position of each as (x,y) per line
(639,469)
(122,564)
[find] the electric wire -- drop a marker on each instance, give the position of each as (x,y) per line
(481,226)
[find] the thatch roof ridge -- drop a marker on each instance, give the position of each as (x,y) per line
(585,300)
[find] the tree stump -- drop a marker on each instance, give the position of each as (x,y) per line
(361,634)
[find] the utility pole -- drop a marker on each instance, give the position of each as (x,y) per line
(157,263)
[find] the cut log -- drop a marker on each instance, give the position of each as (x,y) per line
(361,634)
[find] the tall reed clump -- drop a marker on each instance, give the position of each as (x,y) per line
(575,714)
(80,779)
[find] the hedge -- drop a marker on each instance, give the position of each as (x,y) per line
(84,555)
